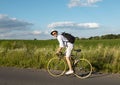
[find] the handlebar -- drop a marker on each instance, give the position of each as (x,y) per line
(59,54)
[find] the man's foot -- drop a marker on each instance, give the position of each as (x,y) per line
(69,72)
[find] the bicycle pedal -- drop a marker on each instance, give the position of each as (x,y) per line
(75,61)
(70,75)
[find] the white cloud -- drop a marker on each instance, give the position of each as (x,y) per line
(72,25)
(83,3)
(89,25)
(36,32)
(61,24)
(13,28)
(23,35)
(8,24)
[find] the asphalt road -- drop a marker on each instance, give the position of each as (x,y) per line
(15,76)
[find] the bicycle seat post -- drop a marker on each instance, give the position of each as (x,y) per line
(76,53)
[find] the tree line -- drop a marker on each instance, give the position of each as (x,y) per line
(107,36)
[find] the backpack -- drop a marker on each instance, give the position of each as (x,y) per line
(69,37)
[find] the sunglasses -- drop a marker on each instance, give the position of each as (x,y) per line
(53,33)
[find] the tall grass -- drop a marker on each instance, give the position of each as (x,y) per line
(103,54)
(104,58)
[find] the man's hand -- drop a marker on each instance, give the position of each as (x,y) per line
(58,53)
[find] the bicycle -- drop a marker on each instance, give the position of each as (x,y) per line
(82,67)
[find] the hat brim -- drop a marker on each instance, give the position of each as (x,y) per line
(54,31)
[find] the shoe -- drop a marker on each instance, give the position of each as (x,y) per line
(69,72)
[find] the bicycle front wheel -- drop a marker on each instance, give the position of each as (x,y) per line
(83,68)
(56,67)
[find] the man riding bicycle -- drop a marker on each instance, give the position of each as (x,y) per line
(63,42)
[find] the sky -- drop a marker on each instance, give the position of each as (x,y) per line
(30,19)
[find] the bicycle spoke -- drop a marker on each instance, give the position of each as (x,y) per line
(56,67)
(83,68)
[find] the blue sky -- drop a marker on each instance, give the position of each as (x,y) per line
(29,19)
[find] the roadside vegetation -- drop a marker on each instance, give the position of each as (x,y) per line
(103,54)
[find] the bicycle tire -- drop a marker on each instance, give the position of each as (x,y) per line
(56,67)
(83,69)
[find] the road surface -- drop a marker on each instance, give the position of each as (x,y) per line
(16,76)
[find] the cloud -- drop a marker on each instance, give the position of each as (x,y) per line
(83,3)
(24,35)
(36,32)
(12,28)
(72,25)
(8,24)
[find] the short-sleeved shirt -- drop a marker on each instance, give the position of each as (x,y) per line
(63,42)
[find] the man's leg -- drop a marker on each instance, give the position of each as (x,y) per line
(69,63)
(70,71)
(68,54)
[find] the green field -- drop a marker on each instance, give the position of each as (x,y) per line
(103,54)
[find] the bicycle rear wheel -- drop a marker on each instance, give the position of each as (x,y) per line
(83,68)
(56,67)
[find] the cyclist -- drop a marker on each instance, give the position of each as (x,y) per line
(63,42)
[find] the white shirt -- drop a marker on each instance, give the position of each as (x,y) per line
(62,41)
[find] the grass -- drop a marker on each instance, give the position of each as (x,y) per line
(103,54)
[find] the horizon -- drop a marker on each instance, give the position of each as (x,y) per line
(55,38)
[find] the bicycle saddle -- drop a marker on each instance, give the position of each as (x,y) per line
(77,50)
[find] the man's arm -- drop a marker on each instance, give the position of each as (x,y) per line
(59,49)
(61,44)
